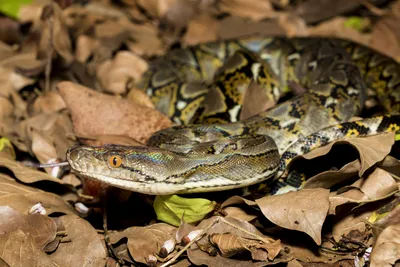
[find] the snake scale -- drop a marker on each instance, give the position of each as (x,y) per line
(225,142)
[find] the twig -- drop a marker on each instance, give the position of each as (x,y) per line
(50,50)
(198,237)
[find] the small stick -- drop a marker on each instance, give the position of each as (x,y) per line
(46,165)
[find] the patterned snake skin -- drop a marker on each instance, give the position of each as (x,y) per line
(232,144)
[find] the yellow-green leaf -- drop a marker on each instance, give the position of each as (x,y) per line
(171,209)
(356,23)
(11,7)
(7,147)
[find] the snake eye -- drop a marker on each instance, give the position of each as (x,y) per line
(115,161)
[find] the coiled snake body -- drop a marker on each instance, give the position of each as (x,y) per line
(207,85)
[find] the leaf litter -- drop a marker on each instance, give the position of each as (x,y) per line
(70,77)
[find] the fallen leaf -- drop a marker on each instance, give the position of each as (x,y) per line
(386,36)
(386,250)
(391,165)
(371,150)
(144,241)
(48,102)
(101,140)
(115,75)
(17,243)
(199,253)
(239,214)
(304,210)
(385,216)
(94,113)
(22,197)
(171,209)
(253,9)
(346,224)
(237,27)
(40,227)
(86,247)
(336,27)
(378,184)
(229,245)
(6,108)
(85,45)
(56,30)
(349,196)
(306,251)
(328,179)
(140,98)
(25,174)
(201,29)
(146,40)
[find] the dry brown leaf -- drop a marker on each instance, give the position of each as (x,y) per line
(94,113)
(336,28)
(236,27)
(237,200)
(304,210)
(386,250)
(378,184)
(12,81)
(201,258)
(176,18)
(230,244)
(328,179)
(40,227)
(25,174)
(201,29)
(199,254)
(372,150)
(43,148)
(86,247)
(386,34)
(85,46)
(101,140)
(255,101)
(314,10)
(336,199)
(72,180)
(146,40)
(48,102)
(253,9)
(115,75)
(144,241)
(140,98)
(294,263)
(21,197)
(157,8)
(293,25)
(304,251)
(387,215)
(391,165)
(6,108)
(19,249)
(242,229)
(54,31)
(353,222)
(239,214)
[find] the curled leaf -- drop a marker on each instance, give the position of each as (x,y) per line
(304,210)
